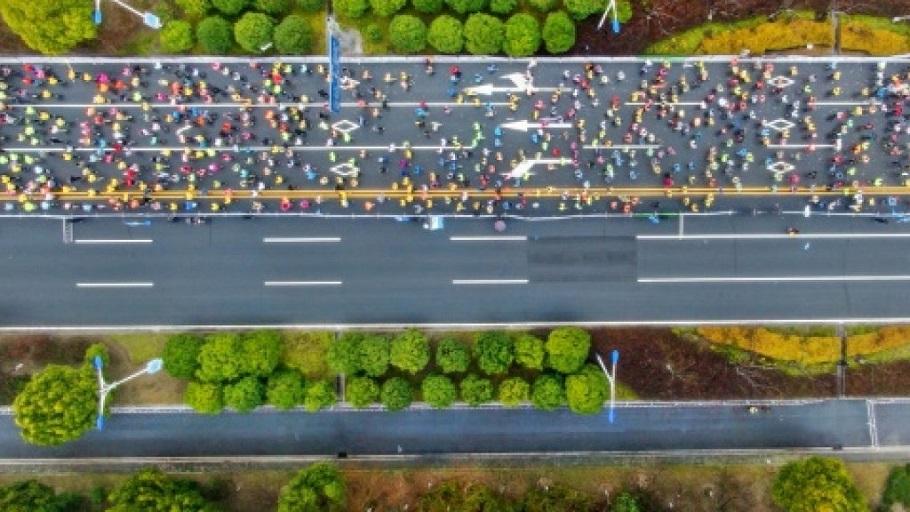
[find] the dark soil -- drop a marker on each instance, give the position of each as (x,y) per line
(653,20)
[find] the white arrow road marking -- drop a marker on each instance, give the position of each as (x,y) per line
(488,89)
(522,170)
(523,125)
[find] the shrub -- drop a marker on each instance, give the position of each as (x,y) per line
(194,8)
(522,36)
(466,6)
(494,352)
(513,391)
(351,8)
(452,356)
(816,483)
(361,392)
(344,354)
(483,34)
(581,9)
(568,349)
(503,6)
(586,390)
(529,351)
(311,5)
(220,358)
(180,355)
(230,7)
(446,34)
(319,395)
(373,32)
(286,389)
(272,6)
(387,7)
(427,6)
(409,351)
(558,32)
(548,392)
(204,398)
(543,5)
(439,391)
(306,352)
(396,394)
(261,352)
(374,355)
(244,395)
(215,35)
(293,36)
(476,390)
(897,489)
(176,36)
(407,34)
(253,31)
(98,350)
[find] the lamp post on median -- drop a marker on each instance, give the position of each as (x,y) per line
(611,378)
(104,387)
(151,20)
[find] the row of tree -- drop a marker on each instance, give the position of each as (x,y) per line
(579,9)
(253,32)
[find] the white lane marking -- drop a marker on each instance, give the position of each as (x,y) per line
(225,149)
(873,428)
(107,241)
(847,103)
(772,279)
(302,283)
(622,146)
(311,104)
(799,146)
(488,281)
(300,240)
(148,284)
(657,103)
(488,238)
(770,236)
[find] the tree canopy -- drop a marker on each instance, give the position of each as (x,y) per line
(152,490)
(897,488)
(543,5)
(387,8)
(205,398)
(467,6)
(51,27)
(581,9)
(59,404)
(476,390)
(410,351)
(219,358)
(230,7)
(522,36)
(407,33)
(318,488)
(439,391)
(319,395)
(261,352)
(215,35)
(816,483)
(311,5)
(305,351)
(494,352)
(452,356)
(253,31)
(567,349)
(344,354)
(181,353)
(427,6)
(548,392)
(558,32)
(285,389)
(374,355)
(32,496)
(273,7)
(587,390)
(483,34)
(194,8)
(446,34)
(529,351)
(503,6)
(361,392)
(351,8)
(396,394)
(513,391)
(244,395)
(293,36)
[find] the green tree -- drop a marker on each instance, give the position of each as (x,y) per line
(529,351)
(176,36)
(215,35)
(51,27)
(410,351)
(194,8)
(244,395)
(100,350)
(344,354)
(626,502)
(286,389)
(306,352)
(446,34)
(494,352)
(373,33)
(556,497)
(543,5)
(581,9)
(273,7)
(374,355)
(623,10)
(452,356)
(483,34)
(361,392)
(439,391)
(427,6)
(816,483)
(261,352)
(293,36)
(31,496)
(311,5)
(204,398)
(253,31)
(548,392)
(387,8)
(318,488)
(897,489)
(152,490)
(476,390)
(181,355)
(351,8)
(319,395)
(586,390)
(558,32)
(513,391)
(59,404)
(567,349)
(503,6)
(522,36)
(220,358)
(407,34)
(230,7)
(396,394)
(466,6)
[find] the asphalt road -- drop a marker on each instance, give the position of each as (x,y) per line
(292,271)
(639,427)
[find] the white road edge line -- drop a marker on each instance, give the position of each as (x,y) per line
(488,281)
(770,279)
(771,236)
(301,283)
(147,284)
(516,238)
(300,240)
(102,241)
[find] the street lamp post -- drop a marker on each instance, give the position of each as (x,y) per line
(104,387)
(611,378)
(150,19)
(611,6)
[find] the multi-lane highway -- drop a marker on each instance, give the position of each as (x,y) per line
(296,271)
(850,424)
